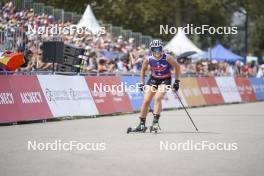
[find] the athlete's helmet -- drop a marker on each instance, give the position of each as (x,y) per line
(156,46)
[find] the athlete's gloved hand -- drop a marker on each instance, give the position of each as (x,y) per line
(141,86)
(176,85)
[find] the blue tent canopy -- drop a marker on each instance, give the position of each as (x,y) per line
(220,53)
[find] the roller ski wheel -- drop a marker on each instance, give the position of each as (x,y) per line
(154,128)
(137,129)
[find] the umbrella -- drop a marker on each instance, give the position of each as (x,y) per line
(12,61)
(184,55)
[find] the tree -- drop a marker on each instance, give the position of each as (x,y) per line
(147,16)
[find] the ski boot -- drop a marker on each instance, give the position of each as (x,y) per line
(140,128)
(155,125)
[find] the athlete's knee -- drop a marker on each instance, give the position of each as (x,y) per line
(158,99)
(146,102)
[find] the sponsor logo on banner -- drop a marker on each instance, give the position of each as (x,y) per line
(245,89)
(258,86)
(8,107)
(108,94)
(100,96)
(70,94)
(56,95)
(117,95)
(228,89)
(66,99)
(21,99)
(210,91)
(6,98)
(31,97)
(191,92)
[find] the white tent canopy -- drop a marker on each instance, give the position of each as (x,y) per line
(180,44)
(88,20)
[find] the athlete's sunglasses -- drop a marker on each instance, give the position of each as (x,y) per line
(156,49)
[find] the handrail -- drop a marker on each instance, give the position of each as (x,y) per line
(38,72)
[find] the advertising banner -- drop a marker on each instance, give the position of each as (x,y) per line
(210,91)
(258,86)
(8,106)
(245,89)
(24,98)
(192,92)
(109,94)
(30,98)
(228,89)
(67,95)
(135,95)
(21,99)
(171,100)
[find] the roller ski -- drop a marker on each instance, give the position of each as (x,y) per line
(141,128)
(155,125)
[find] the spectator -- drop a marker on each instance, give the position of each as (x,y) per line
(119,54)
(92,64)
(237,69)
(260,73)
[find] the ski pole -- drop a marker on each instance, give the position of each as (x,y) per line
(186,111)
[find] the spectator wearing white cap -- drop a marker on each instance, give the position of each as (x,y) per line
(260,73)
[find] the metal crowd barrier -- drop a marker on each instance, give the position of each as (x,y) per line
(39,72)
(9,38)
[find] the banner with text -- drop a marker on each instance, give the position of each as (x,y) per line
(192,92)
(108,94)
(135,95)
(8,107)
(171,100)
(228,89)
(210,90)
(245,89)
(258,86)
(67,95)
(22,99)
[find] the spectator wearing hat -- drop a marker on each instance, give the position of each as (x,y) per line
(260,73)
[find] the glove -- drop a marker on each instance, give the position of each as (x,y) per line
(141,86)
(176,85)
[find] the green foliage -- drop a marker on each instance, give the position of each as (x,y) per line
(146,16)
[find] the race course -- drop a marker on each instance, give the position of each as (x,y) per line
(140,154)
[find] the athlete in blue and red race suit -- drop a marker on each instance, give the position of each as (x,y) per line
(161,65)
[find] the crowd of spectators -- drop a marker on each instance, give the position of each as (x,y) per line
(103,53)
(215,68)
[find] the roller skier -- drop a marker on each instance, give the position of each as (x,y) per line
(157,85)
